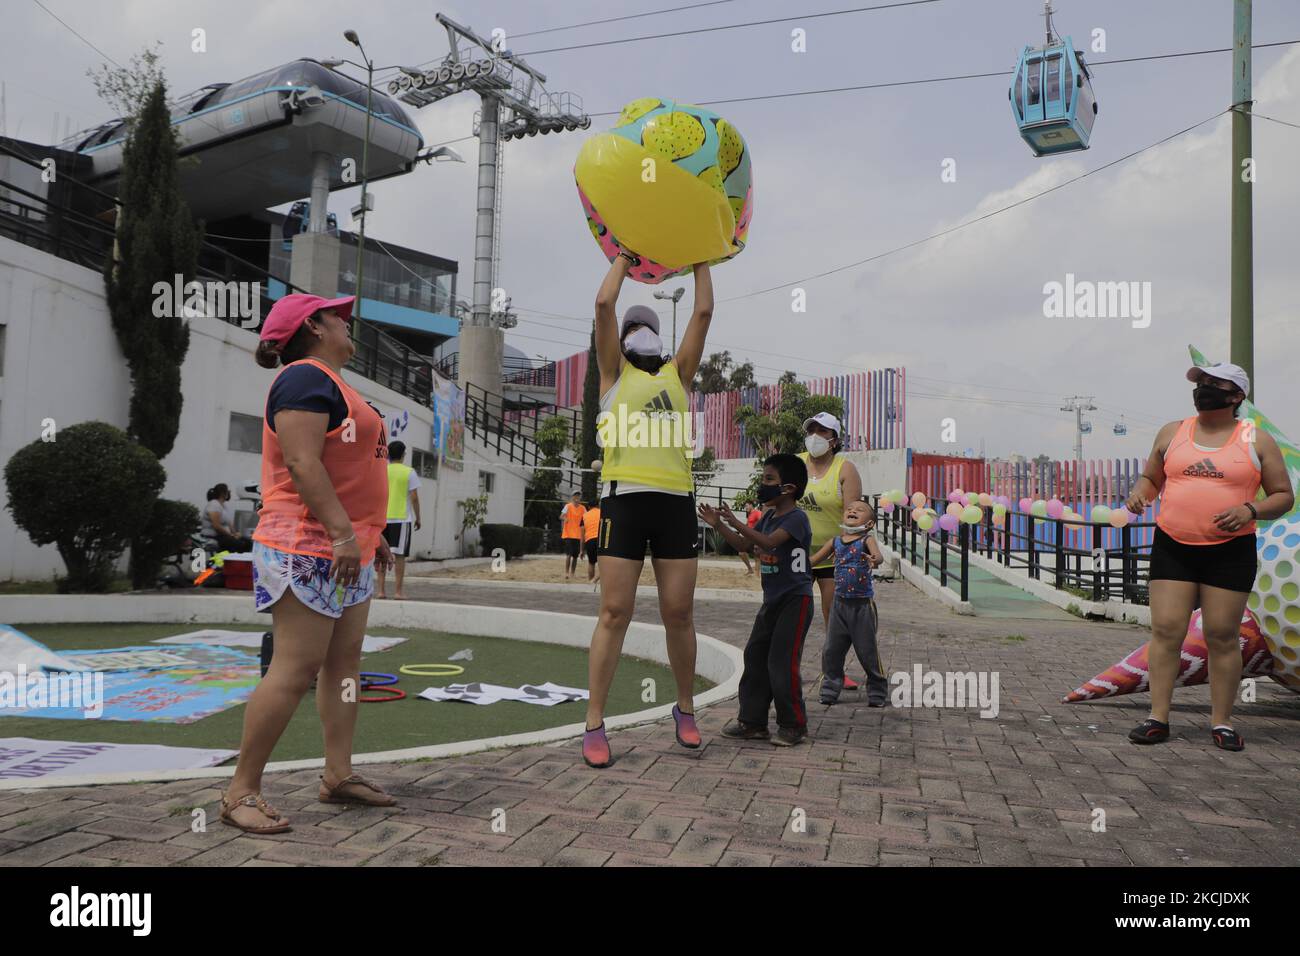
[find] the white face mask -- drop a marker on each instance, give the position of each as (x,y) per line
(643,341)
(853,528)
(816,445)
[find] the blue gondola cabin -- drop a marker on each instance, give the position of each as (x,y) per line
(1052,99)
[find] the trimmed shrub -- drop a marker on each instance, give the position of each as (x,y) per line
(87,492)
(533,540)
(511,538)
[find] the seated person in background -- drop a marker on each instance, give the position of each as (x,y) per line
(217,523)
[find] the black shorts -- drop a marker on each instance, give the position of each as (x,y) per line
(572,547)
(819,573)
(1230,565)
(589,546)
(665,524)
(398,536)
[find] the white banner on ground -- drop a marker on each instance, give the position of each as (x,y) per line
(543,695)
(25,758)
(20,652)
(369,645)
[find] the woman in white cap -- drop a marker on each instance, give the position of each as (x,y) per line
(649,502)
(1208,471)
(319,537)
(832,480)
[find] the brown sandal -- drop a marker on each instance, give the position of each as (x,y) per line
(279,824)
(330,794)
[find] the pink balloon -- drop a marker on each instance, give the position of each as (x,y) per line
(948,522)
(1055,508)
(954,508)
(887,506)
(1026,504)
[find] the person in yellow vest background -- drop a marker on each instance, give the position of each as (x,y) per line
(571,533)
(403,515)
(590,534)
(832,480)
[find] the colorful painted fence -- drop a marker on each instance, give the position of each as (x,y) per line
(875,407)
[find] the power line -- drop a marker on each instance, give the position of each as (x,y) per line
(79,36)
(1278,121)
(631,16)
(732,26)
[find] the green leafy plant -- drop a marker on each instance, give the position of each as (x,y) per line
(169,524)
(87,492)
(473,511)
(781,432)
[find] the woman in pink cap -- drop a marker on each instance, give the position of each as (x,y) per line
(319,534)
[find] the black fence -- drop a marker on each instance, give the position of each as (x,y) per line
(1099,574)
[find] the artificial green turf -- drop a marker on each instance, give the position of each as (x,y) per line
(388,726)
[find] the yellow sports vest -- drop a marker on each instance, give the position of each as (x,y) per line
(399,480)
(645,433)
(824,503)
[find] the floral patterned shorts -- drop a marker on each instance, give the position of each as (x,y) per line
(309,577)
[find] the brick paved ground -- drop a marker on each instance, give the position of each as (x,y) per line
(891,787)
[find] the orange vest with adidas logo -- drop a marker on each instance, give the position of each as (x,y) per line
(356,458)
(1200,484)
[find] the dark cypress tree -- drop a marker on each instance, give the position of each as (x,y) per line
(156,241)
(590,410)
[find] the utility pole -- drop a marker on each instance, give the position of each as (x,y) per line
(1078,404)
(1242,334)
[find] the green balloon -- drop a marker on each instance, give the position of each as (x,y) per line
(1101,514)
(1038,509)
(972,514)
(925,522)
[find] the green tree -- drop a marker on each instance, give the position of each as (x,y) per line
(472,513)
(543,507)
(157,241)
(86,492)
(782,431)
(787,377)
(590,450)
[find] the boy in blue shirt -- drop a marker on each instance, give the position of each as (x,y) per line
(782,539)
(853,620)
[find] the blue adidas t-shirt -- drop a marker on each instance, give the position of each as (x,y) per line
(777,570)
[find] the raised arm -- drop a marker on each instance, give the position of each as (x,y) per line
(609,351)
(691,352)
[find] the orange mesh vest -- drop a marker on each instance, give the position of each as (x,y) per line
(573,521)
(358,470)
(1200,484)
(591,524)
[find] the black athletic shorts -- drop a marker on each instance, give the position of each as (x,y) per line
(572,547)
(665,524)
(1230,565)
(398,536)
(589,546)
(818,573)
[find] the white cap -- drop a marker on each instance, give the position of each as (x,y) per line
(826,420)
(1224,370)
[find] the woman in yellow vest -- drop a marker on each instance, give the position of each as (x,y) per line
(644,431)
(832,480)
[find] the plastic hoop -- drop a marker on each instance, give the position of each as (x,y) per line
(396,694)
(367,682)
(432,670)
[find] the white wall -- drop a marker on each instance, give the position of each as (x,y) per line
(61,361)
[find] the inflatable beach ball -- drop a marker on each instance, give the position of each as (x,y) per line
(670,183)
(1276,598)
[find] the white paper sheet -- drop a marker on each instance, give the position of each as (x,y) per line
(23,758)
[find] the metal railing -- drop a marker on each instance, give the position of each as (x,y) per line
(520,372)
(1098,574)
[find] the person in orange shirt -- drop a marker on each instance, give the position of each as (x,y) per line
(571,533)
(1208,470)
(590,537)
(319,538)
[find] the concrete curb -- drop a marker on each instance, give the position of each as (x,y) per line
(924,583)
(642,591)
(715,660)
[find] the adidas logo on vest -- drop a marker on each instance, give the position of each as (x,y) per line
(1205,468)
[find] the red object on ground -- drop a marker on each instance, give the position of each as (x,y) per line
(1129,676)
(238,572)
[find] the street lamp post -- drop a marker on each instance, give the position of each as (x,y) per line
(351,37)
(674,297)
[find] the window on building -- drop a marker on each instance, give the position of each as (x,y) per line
(425,463)
(245,433)
(487,482)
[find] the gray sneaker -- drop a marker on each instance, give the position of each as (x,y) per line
(789,736)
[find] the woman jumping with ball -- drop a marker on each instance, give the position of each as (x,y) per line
(649,501)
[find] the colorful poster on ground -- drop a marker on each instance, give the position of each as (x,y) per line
(211,679)
(225,638)
(24,758)
(18,651)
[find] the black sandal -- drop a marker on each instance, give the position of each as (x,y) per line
(1225,738)
(1150,731)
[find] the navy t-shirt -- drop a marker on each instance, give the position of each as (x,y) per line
(306,388)
(778,573)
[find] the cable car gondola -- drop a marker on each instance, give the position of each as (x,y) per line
(1120,428)
(1051,95)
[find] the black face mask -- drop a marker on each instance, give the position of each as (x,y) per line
(768,493)
(1207,398)
(650,364)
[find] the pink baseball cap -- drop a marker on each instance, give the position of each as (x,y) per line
(289,312)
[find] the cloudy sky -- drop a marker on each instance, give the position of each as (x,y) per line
(839,177)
